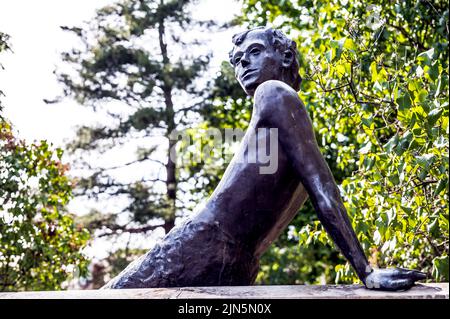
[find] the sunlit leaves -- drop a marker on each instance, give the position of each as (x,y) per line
(40,245)
(379,76)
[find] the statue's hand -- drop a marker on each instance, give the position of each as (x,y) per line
(393,279)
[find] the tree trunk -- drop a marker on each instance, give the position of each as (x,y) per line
(171,182)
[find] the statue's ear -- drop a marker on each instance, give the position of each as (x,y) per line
(288,58)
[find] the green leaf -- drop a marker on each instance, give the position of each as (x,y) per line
(389,146)
(407,210)
(329,55)
(427,56)
(367,121)
(425,160)
(441,267)
(433,71)
(422,95)
(373,71)
(404,143)
(369,162)
(433,228)
(441,186)
(434,115)
(394,179)
(404,101)
(366,148)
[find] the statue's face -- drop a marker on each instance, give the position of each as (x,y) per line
(256,61)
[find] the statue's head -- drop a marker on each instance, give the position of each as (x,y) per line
(263,54)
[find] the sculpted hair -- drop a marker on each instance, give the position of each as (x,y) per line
(280,42)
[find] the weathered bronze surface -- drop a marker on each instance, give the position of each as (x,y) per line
(221,244)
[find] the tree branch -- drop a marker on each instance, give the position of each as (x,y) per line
(131,163)
(408,36)
(123,229)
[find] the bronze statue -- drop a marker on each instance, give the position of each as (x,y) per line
(222,243)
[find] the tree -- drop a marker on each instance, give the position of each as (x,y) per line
(376,84)
(40,245)
(4,46)
(140,67)
(136,52)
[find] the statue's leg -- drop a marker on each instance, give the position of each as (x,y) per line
(192,254)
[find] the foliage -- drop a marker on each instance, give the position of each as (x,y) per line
(226,106)
(4,46)
(40,246)
(288,261)
(376,86)
(102,271)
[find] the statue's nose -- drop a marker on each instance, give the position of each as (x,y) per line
(244,61)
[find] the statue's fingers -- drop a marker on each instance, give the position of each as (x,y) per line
(411,274)
(398,273)
(399,284)
(418,275)
(414,275)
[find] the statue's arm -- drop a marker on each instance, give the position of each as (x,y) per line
(278,106)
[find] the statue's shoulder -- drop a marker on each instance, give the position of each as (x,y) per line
(275,91)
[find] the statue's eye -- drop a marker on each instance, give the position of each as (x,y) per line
(236,60)
(255,51)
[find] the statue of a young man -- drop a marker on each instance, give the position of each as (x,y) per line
(222,243)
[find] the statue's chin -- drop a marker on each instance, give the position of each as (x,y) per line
(251,88)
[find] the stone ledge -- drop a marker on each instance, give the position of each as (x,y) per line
(421,291)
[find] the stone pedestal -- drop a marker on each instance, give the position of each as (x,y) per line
(421,291)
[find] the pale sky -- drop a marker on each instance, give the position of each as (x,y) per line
(37,42)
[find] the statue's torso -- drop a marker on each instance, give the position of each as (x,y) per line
(222,242)
(252,207)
